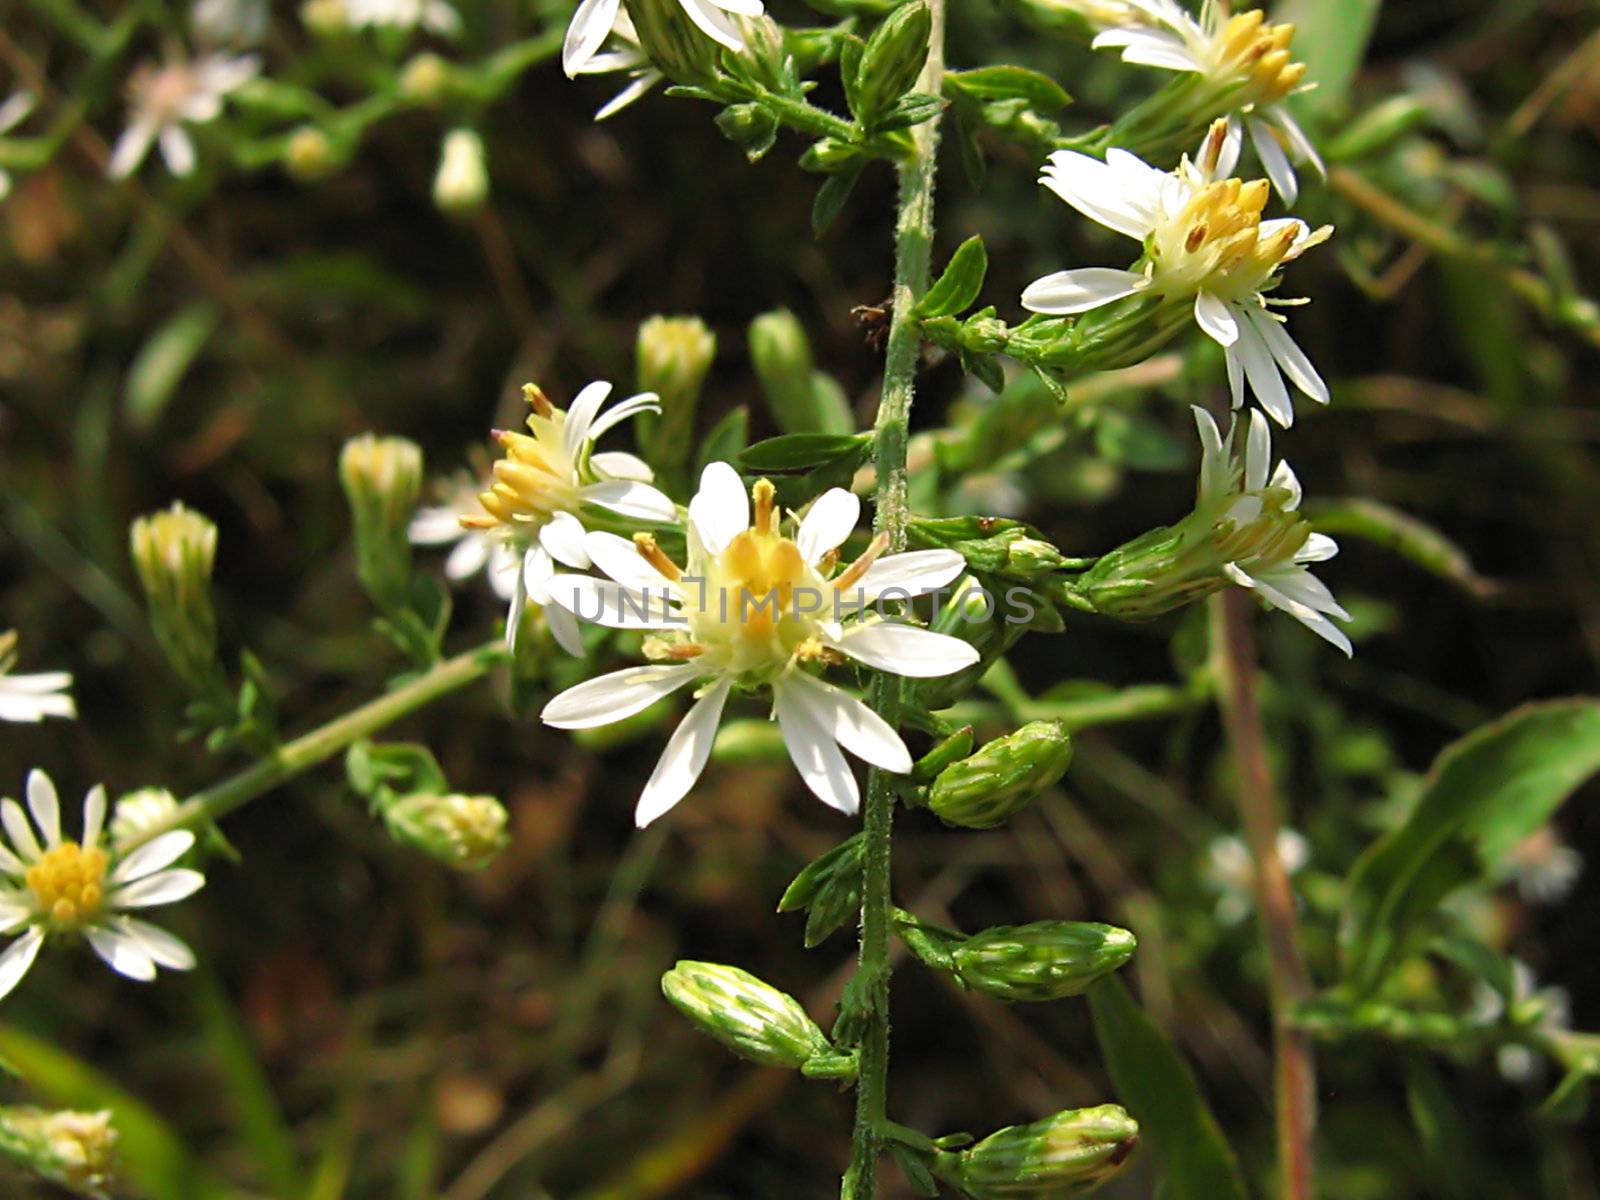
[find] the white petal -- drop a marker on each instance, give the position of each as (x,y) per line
(684,757)
(905,649)
(18,957)
(851,723)
(177,149)
(467,558)
(121,952)
(155,855)
(814,753)
(606,602)
(632,499)
(628,95)
(1289,356)
(40,683)
(720,510)
(1276,162)
(1285,478)
(19,831)
(1235,376)
(618,413)
(131,147)
(902,576)
(581,414)
(1120,199)
(94,815)
(1149,48)
(619,464)
(591,25)
(164,949)
(620,558)
(1257,453)
(1301,147)
(31,708)
(10,864)
(168,887)
(435,525)
(562,538)
(743,8)
(714,23)
(614,697)
(1228,155)
(14,913)
(564,628)
(830,520)
(1288,586)
(1080,290)
(1319,547)
(519,601)
(1216,318)
(1262,371)
(44,806)
(504,570)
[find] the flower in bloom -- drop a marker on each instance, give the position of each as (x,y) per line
(1203,238)
(1268,546)
(626,56)
(595,21)
(162,100)
(55,886)
(138,815)
(13,112)
(538,487)
(435,16)
(472,549)
(1245,59)
(758,609)
(31,697)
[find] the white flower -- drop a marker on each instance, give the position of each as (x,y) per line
(435,16)
(13,112)
(597,20)
(1274,562)
(1229,869)
(754,609)
(545,476)
(31,697)
(229,22)
(162,100)
(55,887)
(1202,237)
(1544,868)
(1247,62)
(473,549)
(626,56)
(136,813)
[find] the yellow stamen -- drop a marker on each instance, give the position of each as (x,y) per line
(763,493)
(684,650)
(853,573)
(537,400)
(656,556)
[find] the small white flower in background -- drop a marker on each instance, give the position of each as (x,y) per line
(1529,1007)
(1244,58)
(1243,492)
(462,181)
(547,474)
(13,112)
(136,813)
(1203,237)
(1103,14)
(229,22)
(162,100)
(626,56)
(1229,870)
(31,697)
(435,16)
(472,550)
(595,21)
(1544,867)
(57,887)
(754,609)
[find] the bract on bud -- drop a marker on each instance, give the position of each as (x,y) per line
(465,832)
(891,62)
(382,477)
(753,1019)
(1046,960)
(173,553)
(1069,1154)
(76,1150)
(1003,777)
(462,182)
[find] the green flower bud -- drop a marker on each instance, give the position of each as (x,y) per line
(1001,779)
(765,59)
(465,832)
(751,127)
(76,1150)
(425,78)
(751,1018)
(324,17)
(672,42)
(1069,1154)
(826,156)
(802,399)
(309,155)
(173,553)
(1047,960)
(462,182)
(673,354)
(891,62)
(382,477)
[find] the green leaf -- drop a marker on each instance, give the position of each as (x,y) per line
(1133,440)
(1484,794)
(163,361)
(1010,83)
(1569,1102)
(727,439)
(801,451)
(1159,1089)
(1331,39)
(831,197)
(958,287)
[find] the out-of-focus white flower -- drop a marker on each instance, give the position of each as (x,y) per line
(472,550)
(13,112)
(596,21)
(1228,869)
(1544,867)
(546,475)
(229,22)
(462,181)
(436,16)
(77,1150)
(137,813)
(1528,1007)
(163,99)
(31,697)
(58,887)
(755,609)
(1245,61)
(1204,238)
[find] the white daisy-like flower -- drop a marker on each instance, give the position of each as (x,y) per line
(31,698)
(162,100)
(1203,238)
(1245,59)
(595,21)
(13,112)
(547,474)
(56,887)
(472,550)
(756,609)
(436,16)
(1273,556)
(624,56)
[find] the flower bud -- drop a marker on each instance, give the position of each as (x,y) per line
(464,832)
(309,155)
(462,182)
(137,813)
(673,355)
(76,1150)
(827,156)
(751,1018)
(173,553)
(802,399)
(382,477)
(1069,1154)
(324,17)
(1047,960)
(425,78)
(891,61)
(751,127)
(672,42)
(1001,779)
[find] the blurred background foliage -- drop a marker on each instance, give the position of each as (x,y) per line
(367,1024)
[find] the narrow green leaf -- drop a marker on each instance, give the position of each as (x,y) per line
(1010,83)
(727,438)
(800,451)
(1159,1089)
(1484,794)
(1130,439)
(958,287)
(1331,39)
(163,361)
(831,198)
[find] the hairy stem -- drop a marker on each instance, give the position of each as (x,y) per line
(325,741)
(913,248)
(1294,1068)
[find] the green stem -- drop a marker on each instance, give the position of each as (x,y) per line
(913,250)
(325,741)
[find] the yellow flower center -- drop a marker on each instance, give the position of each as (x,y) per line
(535,479)
(68,884)
(1247,49)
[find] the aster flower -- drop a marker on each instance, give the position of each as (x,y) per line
(1247,63)
(1257,529)
(547,474)
(55,887)
(1203,238)
(13,112)
(757,610)
(625,56)
(472,550)
(595,21)
(31,697)
(162,100)
(436,16)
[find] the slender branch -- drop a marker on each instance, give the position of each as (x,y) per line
(913,250)
(325,741)
(1234,662)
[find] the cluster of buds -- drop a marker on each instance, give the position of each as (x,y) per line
(74,1150)
(173,552)
(987,788)
(752,1018)
(382,478)
(1069,1154)
(1022,964)
(464,832)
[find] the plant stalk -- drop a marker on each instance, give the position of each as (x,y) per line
(913,252)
